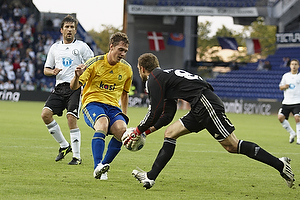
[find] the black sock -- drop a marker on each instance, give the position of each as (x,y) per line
(165,154)
(255,152)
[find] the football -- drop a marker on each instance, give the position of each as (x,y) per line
(139,144)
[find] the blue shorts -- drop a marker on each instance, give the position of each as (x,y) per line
(95,110)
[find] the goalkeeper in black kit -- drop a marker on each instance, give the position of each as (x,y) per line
(164,87)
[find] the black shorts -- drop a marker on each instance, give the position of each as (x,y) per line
(207,112)
(64,98)
(287,109)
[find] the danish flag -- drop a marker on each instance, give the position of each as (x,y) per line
(156,41)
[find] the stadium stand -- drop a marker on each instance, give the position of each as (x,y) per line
(24,43)
(251,84)
(208,3)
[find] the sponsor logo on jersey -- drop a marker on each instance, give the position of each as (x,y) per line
(67,62)
(292,86)
(107,87)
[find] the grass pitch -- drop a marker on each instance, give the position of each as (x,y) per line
(200,168)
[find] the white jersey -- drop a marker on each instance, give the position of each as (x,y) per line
(292,94)
(67,57)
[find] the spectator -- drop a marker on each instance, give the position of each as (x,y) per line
(234,66)
(288,61)
(24,86)
(2,21)
(3,75)
(56,23)
(31,68)
(40,60)
(30,54)
(1,33)
(46,88)
(39,78)
(285,62)
(4,10)
(10,26)
(8,85)
(1,85)
(267,65)
(27,77)
(4,44)
(16,65)
(23,66)
(30,87)
(18,81)
(260,65)
(39,47)
(11,76)
(49,24)
(25,8)
(26,30)
(23,20)
(7,65)
(17,13)
(31,20)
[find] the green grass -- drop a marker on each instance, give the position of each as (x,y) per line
(200,168)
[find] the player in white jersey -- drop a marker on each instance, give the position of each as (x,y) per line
(290,84)
(62,59)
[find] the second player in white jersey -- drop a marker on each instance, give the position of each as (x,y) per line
(292,93)
(290,85)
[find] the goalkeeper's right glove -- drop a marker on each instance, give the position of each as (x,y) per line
(130,140)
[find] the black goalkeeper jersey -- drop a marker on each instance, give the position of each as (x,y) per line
(166,85)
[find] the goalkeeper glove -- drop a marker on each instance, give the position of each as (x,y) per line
(130,139)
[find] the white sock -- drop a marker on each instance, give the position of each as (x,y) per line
(285,124)
(75,142)
(298,132)
(55,131)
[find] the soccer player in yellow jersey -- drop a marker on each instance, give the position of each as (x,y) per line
(106,80)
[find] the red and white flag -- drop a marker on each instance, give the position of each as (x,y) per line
(253,46)
(156,41)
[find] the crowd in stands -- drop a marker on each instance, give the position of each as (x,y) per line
(23,50)
(264,65)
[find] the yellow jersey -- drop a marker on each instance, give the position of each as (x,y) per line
(103,82)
